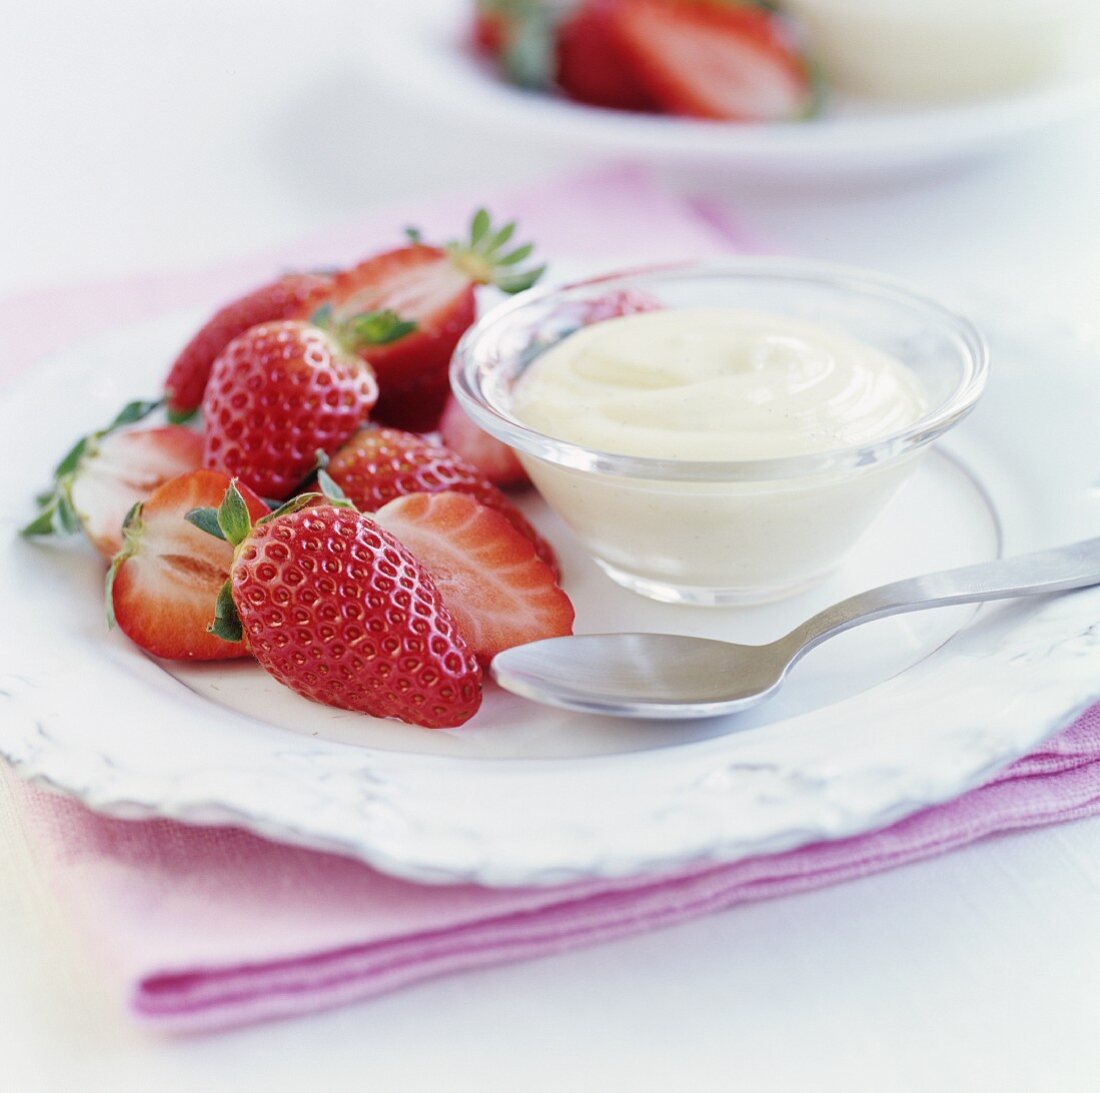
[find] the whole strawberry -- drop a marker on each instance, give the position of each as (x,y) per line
(277,395)
(338,610)
(378,465)
(432,290)
(281,299)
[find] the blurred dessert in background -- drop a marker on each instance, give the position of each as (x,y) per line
(769,60)
(732,60)
(937,50)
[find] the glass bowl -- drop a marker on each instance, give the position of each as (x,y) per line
(719,532)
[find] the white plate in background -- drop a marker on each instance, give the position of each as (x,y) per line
(421,52)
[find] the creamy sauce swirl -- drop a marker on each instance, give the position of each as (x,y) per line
(716,384)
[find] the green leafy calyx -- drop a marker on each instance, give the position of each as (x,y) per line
(131,535)
(57,514)
(233,517)
(365,331)
(206,519)
(485,258)
(528,33)
(227,623)
(330,488)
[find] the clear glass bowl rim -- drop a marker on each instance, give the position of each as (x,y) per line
(934,423)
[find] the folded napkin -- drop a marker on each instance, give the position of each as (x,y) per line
(210,927)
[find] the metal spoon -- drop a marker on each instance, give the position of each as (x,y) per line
(671,676)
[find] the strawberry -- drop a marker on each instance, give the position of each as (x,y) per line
(335,608)
(277,395)
(282,299)
(622,301)
(488,28)
(592,67)
(705,59)
(433,288)
(164,583)
(377,465)
(104,474)
(493,458)
(496,461)
(500,592)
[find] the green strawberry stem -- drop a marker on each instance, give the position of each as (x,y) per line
(56,513)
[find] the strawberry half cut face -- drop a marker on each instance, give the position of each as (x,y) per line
(500,592)
(431,291)
(163,586)
(101,477)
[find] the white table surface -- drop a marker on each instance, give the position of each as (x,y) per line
(141,137)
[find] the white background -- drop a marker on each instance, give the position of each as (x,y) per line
(152,136)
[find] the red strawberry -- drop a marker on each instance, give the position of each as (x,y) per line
(592,66)
(499,591)
(708,60)
(338,610)
(101,477)
(282,299)
(164,583)
(493,458)
(277,395)
(377,465)
(489,28)
(432,287)
(622,301)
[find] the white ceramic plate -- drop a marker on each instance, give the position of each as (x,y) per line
(420,52)
(873,725)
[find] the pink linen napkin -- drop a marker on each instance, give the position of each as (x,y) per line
(206,928)
(209,928)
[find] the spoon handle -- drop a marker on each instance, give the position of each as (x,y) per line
(1046,571)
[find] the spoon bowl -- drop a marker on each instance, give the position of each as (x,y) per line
(641,675)
(671,676)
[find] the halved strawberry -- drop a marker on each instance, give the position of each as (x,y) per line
(163,584)
(496,461)
(335,608)
(714,60)
(281,299)
(591,64)
(98,481)
(433,288)
(498,590)
(377,465)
